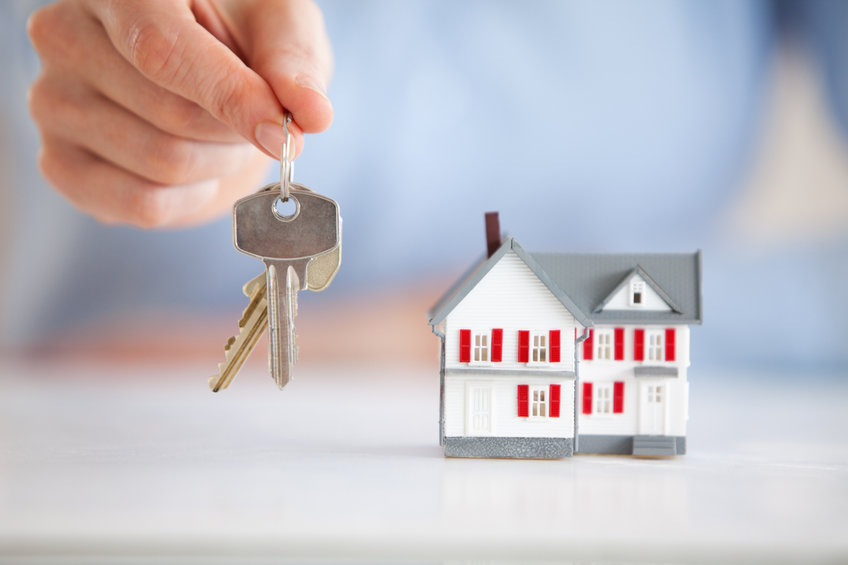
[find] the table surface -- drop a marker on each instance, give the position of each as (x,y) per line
(139,464)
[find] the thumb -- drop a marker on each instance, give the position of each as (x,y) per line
(162,39)
(286,43)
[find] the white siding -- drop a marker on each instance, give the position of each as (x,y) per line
(504,406)
(651,301)
(511,297)
(627,423)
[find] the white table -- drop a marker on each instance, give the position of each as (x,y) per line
(104,463)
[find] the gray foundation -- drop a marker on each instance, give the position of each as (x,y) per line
(509,447)
(632,445)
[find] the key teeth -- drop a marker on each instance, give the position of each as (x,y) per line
(234,353)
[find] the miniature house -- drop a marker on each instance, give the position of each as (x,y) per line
(544,355)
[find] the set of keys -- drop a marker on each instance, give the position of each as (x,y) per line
(297,234)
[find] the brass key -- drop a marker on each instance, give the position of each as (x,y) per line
(253,322)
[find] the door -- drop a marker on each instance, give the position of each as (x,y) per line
(478,411)
(652,409)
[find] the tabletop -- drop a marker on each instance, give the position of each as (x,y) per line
(105,462)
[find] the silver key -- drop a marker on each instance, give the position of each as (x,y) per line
(301,250)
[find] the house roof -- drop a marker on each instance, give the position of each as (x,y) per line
(591,279)
(584,283)
(638,272)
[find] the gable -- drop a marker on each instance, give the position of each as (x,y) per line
(511,295)
(480,273)
(636,293)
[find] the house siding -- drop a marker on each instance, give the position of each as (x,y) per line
(504,414)
(629,422)
(510,297)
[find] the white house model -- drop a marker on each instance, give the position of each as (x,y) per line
(546,355)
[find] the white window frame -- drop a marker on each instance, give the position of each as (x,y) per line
(602,399)
(539,351)
(604,351)
(637,288)
(654,346)
(539,402)
(481,343)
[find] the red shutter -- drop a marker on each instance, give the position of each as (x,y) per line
(465,346)
(638,345)
(555,401)
(555,346)
(497,345)
(619,344)
(669,344)
(523,401)
(523,346)
(587,398)
(587,346)
(618,397)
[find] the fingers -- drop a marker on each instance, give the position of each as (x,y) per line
(113,195)
(74,113)
(162,39)
(56,31)
(286,43)
(142,104)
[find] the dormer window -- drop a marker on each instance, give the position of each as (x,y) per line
(637,293)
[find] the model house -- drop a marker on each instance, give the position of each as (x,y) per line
(544,355)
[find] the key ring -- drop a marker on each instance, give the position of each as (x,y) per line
(286,164)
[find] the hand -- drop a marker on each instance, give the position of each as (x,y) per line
(146,107)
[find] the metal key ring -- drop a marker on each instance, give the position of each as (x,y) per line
(286,164)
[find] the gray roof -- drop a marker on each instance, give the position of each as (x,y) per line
(584,283)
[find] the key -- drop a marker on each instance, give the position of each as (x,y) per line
(253,322)
(301,249)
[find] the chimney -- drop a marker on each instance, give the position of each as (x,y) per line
(493,233)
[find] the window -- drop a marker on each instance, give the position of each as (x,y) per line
(603,398)
(637,293)
(539,347)
(656,349)
(480,348)
(538,403)
(603,339)
(654,394)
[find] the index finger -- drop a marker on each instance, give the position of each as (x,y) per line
(162,39)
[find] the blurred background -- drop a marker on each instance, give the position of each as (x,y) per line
(591,126)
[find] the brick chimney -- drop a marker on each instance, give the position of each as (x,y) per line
(493,233)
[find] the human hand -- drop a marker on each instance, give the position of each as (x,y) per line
(152,112)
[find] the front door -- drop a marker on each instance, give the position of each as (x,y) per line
(478,410)
(652,408)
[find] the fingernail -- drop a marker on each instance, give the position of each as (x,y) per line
(270,136)
(308,81)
